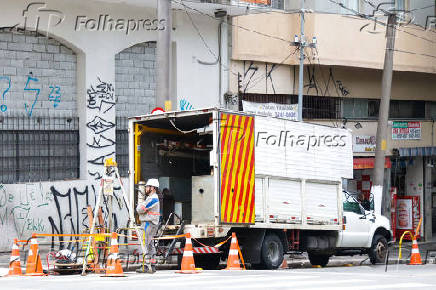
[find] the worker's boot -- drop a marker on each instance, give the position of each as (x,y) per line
(151,264)
(142,269)
(151,269)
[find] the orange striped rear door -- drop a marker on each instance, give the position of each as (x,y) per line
(237,169)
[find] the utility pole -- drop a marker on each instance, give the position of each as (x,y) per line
(301,71)
(163,55)
(301,43)
(382,127)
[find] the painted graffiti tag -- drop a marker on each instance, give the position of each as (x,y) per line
(29,109)
(101,97)
(185,105)
(55,95)
(99,125)
(3,107)
(100,101)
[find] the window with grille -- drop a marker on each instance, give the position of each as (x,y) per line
(38,149)
(316,107)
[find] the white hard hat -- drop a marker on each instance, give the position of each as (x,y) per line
(153,182)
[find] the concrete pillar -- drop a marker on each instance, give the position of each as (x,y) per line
(96,108)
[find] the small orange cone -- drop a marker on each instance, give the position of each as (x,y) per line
(14,262)
(34,265)
(188,264)
(415,258)
(233,259)
(284,264)
(113,266)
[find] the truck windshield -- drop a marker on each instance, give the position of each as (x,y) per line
(350,204)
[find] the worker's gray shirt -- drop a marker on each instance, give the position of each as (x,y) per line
(149,209)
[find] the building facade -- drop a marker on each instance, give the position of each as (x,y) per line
(342,85)
(71,73)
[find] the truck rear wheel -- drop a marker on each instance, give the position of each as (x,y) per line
(271,252)
(319,259)
(377,252)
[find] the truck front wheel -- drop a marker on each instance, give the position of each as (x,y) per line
(319,259)
(271,252)
(377,252)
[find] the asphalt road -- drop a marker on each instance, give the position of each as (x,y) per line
(329,278)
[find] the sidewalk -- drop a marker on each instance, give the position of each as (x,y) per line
(301,260)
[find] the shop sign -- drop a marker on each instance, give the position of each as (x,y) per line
(406,130)
(284,111)
(364,143)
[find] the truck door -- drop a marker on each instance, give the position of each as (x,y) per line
(236,143)
(357,225)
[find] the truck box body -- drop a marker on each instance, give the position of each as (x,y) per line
(246,171)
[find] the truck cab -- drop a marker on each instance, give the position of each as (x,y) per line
(364,230)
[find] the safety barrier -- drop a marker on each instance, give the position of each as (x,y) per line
(415,257)
(34,265)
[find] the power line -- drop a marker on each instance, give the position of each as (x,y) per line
(231,24)
(258,79)
(396,28)
(415,53)
(364,16)
(406,11)
(201,37)
(422,8)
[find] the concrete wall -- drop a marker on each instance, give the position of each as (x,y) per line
(418,15)
(269,78)
(51,207)
(135,81)
(343,41)
(29,63)
(99,50)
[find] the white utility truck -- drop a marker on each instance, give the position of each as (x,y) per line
(276,183)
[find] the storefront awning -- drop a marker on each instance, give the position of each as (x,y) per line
(417,151)
(368,163)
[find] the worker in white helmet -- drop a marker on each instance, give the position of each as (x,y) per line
(148,209)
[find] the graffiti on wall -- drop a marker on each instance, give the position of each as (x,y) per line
(185,105)
(16,208)
(5,90)
(71,215)
(54,209)
(253,76)
(31,93)
(326,87)
(101,103)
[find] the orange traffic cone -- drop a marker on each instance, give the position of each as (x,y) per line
(34,265)
(188,264)
(284,263)
(415,258)
(113,266)
(233,259)
(14,262)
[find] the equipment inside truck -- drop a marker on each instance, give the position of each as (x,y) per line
(177,151)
